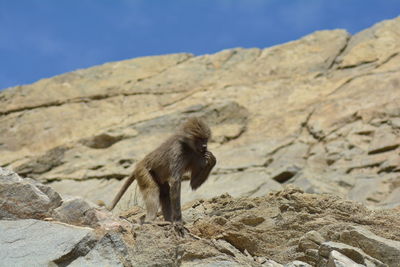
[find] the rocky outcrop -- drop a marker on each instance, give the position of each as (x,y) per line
(25,198)
(38,243)
(285,228)
(321,112)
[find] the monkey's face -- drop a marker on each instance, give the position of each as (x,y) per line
(201,145)
(198,145)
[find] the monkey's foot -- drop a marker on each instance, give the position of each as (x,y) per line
(180,228)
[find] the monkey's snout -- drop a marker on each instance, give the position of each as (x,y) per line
(203,148)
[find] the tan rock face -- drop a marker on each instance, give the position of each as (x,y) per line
(321,112)
(288,227)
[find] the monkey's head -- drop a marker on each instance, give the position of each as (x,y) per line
(195,134)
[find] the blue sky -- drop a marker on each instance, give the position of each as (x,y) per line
(43,38)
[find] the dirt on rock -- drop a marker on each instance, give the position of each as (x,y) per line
(274,226)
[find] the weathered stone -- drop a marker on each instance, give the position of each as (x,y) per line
(287,161)
(101,141)
(76,211)
(337,259)
(361,164)
(354,253)
(385,250)
(44,163)
(311,240)
(92,190)
(8,176)
(392,164)
(393,200)
(38,243)
(369,45)
(328,182)
(271,263)
(111,250)
(364,187)
(285,174)
(395,122)
(247,183)
(297,264)
(212,262)
(384,141)
(25,198)
(312,255)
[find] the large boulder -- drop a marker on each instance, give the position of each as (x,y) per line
(37,243)
(25,198)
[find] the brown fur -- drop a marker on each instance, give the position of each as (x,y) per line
(160,173)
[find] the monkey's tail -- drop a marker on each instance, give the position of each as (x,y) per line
(122,191)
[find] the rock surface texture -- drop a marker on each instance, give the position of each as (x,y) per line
(284,228)
(321,113)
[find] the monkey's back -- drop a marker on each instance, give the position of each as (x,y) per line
(159,161)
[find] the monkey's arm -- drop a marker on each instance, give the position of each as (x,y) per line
(177,172)
(202,170)
(175,194)
(122,191)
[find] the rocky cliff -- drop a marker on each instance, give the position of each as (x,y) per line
(321,113)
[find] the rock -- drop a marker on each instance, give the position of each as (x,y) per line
(111,250)
(368,45)
(312,256)
(287,161)
(297,264)
(25,198)
(38,243)
(311,240)
(247,183)
(384,141)
(8,176)
(285,174)
(216,262)
(271,263)
(91,190)
(353,253)
(392,164)
(76,211)
(393,200)
(364,187)
(44,163)
(385,250)
(222,231)
(336,259)
(395,122)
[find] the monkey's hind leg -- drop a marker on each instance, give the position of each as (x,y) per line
(165,200)
(151,194)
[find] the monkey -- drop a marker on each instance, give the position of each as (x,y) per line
(159,174)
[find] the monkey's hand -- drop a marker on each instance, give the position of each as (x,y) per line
(202,170)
